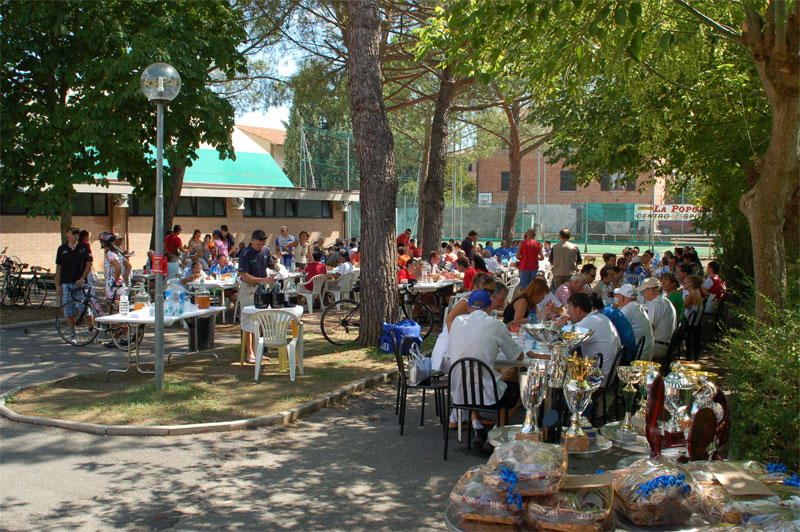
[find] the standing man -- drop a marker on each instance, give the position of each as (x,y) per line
(229,238)
(468,243)
(172,242)
(625,296)
(73,264)
(283,246)
(565,257)
(528,256)
(404,238)
(253,264)
(661,313)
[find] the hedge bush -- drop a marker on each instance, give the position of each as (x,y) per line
(763,374)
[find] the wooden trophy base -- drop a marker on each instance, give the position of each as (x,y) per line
(577,443)
(674,439)
(529,436)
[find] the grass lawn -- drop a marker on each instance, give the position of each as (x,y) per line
(199,391)
(12,315)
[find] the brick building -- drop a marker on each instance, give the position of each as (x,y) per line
(247,194)
(560,199)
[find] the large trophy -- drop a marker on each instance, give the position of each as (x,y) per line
(578,391)
(559,340)
(533,386)
(650,372)
(629,375)
(678,396)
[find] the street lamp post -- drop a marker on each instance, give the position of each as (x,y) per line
(160,84)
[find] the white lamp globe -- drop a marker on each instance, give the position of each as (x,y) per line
(160,82)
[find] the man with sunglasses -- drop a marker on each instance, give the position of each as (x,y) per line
(73,264)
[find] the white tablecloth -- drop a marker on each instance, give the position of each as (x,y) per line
(247,323)
(216,283)
(428,286)
(143,316)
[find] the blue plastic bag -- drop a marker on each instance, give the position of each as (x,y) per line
(400,330)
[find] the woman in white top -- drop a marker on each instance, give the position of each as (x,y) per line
(693,301)
(302,251)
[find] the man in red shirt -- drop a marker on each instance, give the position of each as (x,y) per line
(469,272)
(404,238)
(413,270)
(416,253)
(172,243)
(529,254)
(314,268)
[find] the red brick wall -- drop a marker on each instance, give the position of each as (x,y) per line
(35,240)
(488,173)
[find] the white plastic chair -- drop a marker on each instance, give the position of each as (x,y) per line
(317,289)
(345,285)
(513,284)
(455,298)
(272,327)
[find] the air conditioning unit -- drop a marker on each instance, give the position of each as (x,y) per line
(122,201)
(240,204)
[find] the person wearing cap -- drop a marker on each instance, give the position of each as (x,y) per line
(479,335)
(574,285)
(605,339)
(635,271)
(112,263)
(73,264)
(172,242)
(253,264)
(625,299)
(661,313)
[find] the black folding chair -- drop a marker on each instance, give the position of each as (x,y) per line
(438,387)
(609,384)
(692,335)
(639,349)
(470,372)
(673,350)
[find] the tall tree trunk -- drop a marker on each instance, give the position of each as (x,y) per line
(426,154)
(515,170)
(65,221)
(375,150)
(431,208)
(766,204)
(170,201)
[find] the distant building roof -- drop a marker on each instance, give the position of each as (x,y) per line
(253,169)
(275,136)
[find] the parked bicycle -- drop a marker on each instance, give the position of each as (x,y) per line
(17,291)
(341,320)
(86,330)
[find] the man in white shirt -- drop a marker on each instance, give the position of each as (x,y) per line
(283,246)
(605,338)
(661,313)
(491,262)
(478,335)
(640,322)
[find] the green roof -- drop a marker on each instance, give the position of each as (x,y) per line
(255,169)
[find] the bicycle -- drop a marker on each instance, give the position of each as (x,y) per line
(14,287)
(85,331)
(341,320)
(36,288)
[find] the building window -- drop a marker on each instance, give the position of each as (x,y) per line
(568,180)
(505,177)
(617,181)
(8,205)
(201,207)
(140,207)
(90,205)
(287,208)
(630,185)
(606,182)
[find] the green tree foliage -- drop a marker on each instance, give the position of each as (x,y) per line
(72,108)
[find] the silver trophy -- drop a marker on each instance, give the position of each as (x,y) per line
(559,340)
(578,392)
(678,395)
(533,385)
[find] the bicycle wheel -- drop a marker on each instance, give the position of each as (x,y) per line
(420,313)
(119,335)
(82,333)
(37,293)
(341,321)
(19,293)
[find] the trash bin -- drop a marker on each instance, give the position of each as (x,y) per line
(205,333)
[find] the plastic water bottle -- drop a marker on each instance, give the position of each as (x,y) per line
(168,301)
(532,319)
(124,302)
(292,264)
(181,303)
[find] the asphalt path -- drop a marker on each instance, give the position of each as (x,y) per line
(341,468)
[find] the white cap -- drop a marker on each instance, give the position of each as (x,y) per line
(626,290)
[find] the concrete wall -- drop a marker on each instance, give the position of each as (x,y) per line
(35,240)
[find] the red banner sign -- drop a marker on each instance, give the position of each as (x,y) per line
(158,263)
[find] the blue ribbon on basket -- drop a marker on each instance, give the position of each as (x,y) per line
(776,467)
(599,471)
(794,480)
(510,478)
(664,481)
